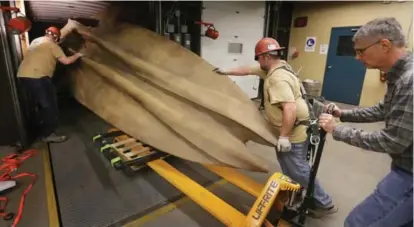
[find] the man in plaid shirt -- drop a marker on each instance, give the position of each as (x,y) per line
(381,44)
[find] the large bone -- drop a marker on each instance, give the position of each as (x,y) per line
(168,97)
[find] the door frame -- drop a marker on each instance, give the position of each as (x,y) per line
(327,57)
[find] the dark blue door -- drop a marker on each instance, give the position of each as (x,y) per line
(344,75)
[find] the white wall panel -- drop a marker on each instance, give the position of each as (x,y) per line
(238,22)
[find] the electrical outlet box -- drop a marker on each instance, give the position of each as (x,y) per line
(170,28)
(184,29)
(235,48)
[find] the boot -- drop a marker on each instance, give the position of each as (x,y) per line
(53,138)
(319,211)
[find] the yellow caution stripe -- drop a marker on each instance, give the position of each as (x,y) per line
(50,191)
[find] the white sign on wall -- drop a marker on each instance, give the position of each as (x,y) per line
(323,49)
(310,44)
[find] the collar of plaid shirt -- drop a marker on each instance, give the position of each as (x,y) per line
(400,66)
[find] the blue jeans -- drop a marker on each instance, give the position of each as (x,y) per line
(390,205)
(42,96)
(294,165)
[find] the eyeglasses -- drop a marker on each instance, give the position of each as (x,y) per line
(360,51)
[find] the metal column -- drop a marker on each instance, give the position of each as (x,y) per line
(10,64)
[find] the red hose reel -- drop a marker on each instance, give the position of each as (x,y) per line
(18,25)
(211,31)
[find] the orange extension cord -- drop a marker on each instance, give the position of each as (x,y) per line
(10,164)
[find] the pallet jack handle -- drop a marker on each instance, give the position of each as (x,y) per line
(320,141)
(312,178)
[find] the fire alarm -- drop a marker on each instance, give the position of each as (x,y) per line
(300,22)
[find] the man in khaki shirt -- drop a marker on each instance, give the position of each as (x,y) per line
(287,111)
(35,74)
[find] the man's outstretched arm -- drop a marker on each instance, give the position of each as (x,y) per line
(395,138)
(239,71)
(242,71)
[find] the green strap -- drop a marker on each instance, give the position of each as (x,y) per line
(313,128)
(115,160)
(105,147)
(96,137)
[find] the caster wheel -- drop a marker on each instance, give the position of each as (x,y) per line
(118,165)
(107,154)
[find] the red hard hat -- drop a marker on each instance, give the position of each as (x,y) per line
(54,30)
(266,45)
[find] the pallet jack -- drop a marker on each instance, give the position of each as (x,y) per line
(290,200)
(280,193)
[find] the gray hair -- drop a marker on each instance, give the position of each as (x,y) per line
(382,28)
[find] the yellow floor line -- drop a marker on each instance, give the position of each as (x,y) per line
(50,193)
(168,208)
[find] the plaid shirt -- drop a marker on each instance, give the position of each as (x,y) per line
(396,139)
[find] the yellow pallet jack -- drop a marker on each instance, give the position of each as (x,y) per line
(280,193)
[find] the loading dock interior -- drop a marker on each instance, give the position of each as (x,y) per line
(80,188)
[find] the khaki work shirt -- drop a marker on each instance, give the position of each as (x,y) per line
(40,59)
(281,86)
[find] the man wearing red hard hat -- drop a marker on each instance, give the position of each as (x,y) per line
(35,74)
(287,111)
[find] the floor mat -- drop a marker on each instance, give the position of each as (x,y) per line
(90,192)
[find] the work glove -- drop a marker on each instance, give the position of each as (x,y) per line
(219,71)
(283,145)
(80,54)
(333,109)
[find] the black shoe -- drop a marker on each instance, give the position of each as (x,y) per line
(318,211)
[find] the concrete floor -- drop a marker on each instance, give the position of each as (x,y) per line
(35,209)
(347,173)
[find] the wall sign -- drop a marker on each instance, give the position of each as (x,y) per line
(310,44)
(323,49)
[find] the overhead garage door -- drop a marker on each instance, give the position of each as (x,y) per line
(240,25)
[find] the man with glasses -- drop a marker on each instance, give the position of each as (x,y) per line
(35,74)
(381,44)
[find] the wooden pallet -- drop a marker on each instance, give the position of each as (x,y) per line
(128,153)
